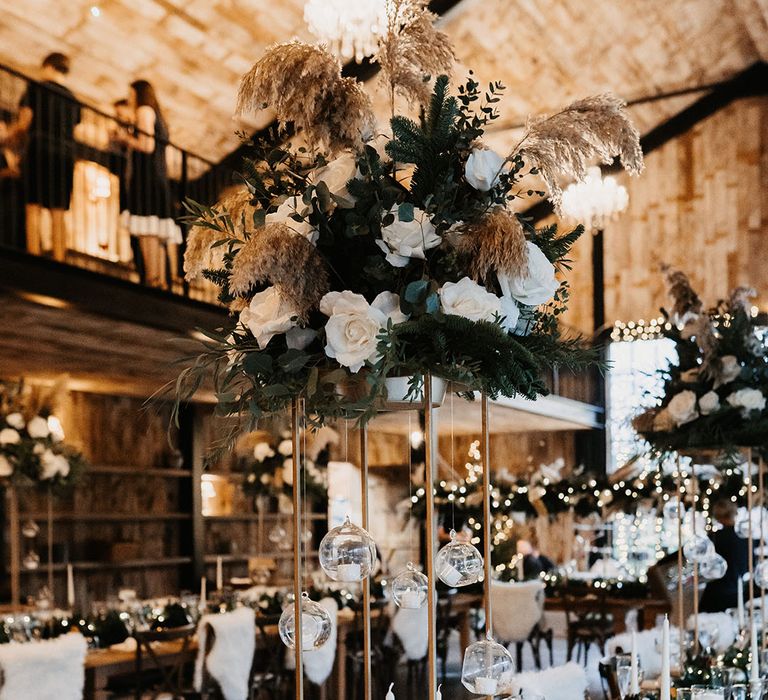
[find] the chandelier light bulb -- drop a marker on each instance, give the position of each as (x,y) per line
(351,29)
(595,200)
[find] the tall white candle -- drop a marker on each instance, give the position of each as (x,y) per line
(634,676)
(520,573)
(219,574)
(664,681)
(203,601)
(70,587)
(390,694)
(438,693)
(740,604)
(754,664)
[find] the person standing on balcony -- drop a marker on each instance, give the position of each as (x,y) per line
(48,114)
(149,208)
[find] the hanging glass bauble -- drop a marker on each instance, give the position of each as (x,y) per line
(30,529)
(488,668)
(697,548)
(409,588)
(31,561)
(347,553)
(459,563)
(315,625)
(671,508)
(712,568)
(277,534)
(761,574)
(742,523)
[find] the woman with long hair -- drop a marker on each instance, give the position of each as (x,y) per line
(149,214)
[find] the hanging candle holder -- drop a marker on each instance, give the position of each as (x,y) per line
(697,548)
(315,625)
(409,588)
(673,509)
(761,574)
(347,553)
(712,568)
(459,563)
(488,668)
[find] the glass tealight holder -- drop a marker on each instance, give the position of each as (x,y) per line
(347,553)
(697,548)
(409,588)
(712,568)
(488,668)
(459,563)
(315,625)
(761,574)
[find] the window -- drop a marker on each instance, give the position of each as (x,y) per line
(632,382)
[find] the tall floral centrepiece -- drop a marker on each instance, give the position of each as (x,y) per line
(364,255)
(715,396)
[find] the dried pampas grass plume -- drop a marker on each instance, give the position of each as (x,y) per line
(687,303)
(302,83)
(740,299)
(495,243)
(562,146)
(199,255)
(412,50)
(279,256)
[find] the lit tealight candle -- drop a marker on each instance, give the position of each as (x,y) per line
(486,686)
(450,575)
(308,632)
(410,600)
(348,573)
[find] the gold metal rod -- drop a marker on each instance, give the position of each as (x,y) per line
(297,607)
(486,438)
(680,591)
(429,480)
(51,589)
(750,548)
(15,544)
(761,498)
(365,583)
(695,491)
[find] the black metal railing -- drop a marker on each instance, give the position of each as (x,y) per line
(67,181)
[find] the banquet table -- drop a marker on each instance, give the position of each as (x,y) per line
(647,608)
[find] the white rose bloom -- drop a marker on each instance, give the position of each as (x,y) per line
(469,299)
(38,428)
(483,168)
(709,403)
(511,313)
(538,286)
(682,407)
(291,206)
(262,451)
(730,369)
(6,468)
(299,338)
(267,315)
(53,465)
(9,436)
(285,448)
(747,399)
(354,324)
(15,420)
(403,240)
(336,175)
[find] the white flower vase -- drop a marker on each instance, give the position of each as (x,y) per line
(399,396)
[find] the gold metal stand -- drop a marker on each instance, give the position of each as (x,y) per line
(14,544)
(680,596)
(51,589)
(365,583)
(761,498)
(486,440)
(695,493)
(429,479)
(750,554)
(296,425)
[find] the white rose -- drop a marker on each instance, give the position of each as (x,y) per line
(15,420)
(285,448)
(336,175)
(403,240)
(290,207)
(9,436)
(511,313)
(747,399)
(538,286)
(262,451)
(468,299)
(267,315)
(38,428)
(709,403)
(6,468)
(682,407)
(53,465)
(483,169)
(354,324)
(730,369)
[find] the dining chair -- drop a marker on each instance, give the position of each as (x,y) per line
(380,664)
(588,622)
(170,668)
(609,681)
(518,608)
(269,678)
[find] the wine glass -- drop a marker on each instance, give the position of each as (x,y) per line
(623,673)
(737,692)
(707,692)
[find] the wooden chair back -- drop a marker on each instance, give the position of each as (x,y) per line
(170,666)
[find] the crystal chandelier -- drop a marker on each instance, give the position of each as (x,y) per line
(594,201)
(350,28)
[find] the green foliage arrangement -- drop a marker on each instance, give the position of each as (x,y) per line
(715,394)
(401,256)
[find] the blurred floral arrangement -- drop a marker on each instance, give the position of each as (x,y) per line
(714,396)
(32,447)
(363,256)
